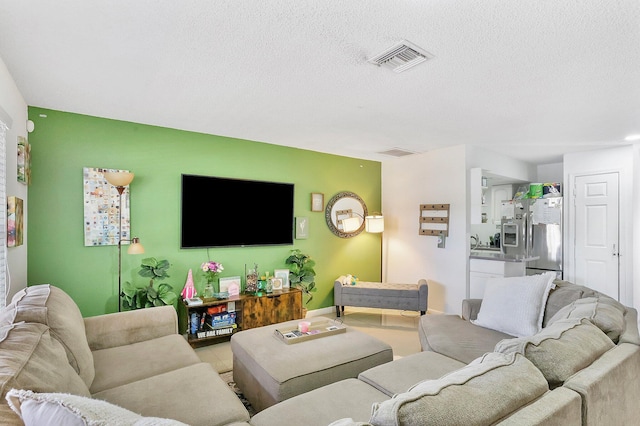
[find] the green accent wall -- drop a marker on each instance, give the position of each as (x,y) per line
(64,143)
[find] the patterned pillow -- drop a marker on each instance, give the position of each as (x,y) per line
(515,305)
(488,389)
(605,313)
(560,349)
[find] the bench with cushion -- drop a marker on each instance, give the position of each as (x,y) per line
(410,297)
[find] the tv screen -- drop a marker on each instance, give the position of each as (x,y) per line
(224,212)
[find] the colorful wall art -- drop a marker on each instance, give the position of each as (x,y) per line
(24,160)
(101,209)
(15,222)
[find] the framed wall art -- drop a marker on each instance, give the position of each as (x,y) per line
(24,161)
(15,222)
(317,202)
(101,209)
(302,228)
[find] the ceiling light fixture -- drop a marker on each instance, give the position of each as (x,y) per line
(631,138)
(401,56)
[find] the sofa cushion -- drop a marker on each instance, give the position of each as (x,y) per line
(483,392)
(604,312)
(65,409)
(515,305)
(195,395)
(125,364)
(456,338)
(561,349)
(399,375)
(48,305)
(31,359)
(564,293)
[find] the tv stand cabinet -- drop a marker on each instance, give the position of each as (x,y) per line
(251,311)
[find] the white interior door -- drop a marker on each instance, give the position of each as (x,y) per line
(597,233)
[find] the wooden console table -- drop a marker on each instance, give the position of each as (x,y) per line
(251,311)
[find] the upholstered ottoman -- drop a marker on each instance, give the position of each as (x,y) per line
(267,370)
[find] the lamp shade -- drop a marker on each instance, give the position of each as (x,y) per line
(135,247)
(374,224)
(118,178)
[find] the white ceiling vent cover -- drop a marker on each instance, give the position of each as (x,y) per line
(401,56)
(396,152)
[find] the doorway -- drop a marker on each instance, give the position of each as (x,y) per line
(596,232)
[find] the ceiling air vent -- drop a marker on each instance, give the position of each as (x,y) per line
(401,57)
(397,152)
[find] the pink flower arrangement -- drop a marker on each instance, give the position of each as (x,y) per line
(211,269)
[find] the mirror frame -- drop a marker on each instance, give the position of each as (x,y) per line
(329,217)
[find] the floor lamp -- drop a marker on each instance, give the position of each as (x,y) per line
(120,180)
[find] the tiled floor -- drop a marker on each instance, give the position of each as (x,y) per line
(398,328)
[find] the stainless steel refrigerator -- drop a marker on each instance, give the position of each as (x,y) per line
(533,227)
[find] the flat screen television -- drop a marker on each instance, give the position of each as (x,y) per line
(226,212)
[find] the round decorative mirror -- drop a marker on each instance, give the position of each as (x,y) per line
(345,214)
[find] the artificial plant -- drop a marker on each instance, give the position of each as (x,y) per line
(134,297)
(301,273)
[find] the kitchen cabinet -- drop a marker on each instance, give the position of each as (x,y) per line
(499,193)
(480,270)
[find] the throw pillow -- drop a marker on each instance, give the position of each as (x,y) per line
(485,391)
(605,313)
(65,409)
(560,349)
(515,305)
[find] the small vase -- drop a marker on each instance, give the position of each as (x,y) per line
(208,291)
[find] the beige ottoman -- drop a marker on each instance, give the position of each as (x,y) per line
(268,371)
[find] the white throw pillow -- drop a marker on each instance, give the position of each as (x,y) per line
(515,305)
(70,410)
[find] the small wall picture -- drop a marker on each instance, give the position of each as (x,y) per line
(15,222)
(302,228)
(283,274)
(317,202)
(24,160)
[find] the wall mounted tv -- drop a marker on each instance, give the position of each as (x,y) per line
(225,212)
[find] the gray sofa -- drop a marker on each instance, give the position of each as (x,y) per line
(120,368)
(582,368)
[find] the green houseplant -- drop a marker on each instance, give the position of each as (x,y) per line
(134,297)
(301,273)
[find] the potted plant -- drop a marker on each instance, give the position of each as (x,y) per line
(301,273)
(134,297)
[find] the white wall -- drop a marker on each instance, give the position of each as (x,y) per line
(434,177)
(14,106)
(620,159)
(439,176)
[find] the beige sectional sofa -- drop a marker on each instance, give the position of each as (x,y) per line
(123,368)
(582,368)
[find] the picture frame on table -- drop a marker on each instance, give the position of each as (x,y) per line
(276,284)
(317,201)
(230,285)
(283,274)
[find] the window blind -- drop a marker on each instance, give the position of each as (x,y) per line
(4,288)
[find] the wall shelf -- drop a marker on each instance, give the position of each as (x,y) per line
(434,219)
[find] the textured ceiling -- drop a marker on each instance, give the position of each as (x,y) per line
(532,79)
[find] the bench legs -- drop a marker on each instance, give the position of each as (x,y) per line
(341,308)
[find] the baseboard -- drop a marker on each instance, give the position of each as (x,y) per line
(331,310)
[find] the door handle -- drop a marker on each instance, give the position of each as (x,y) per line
(614,253)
